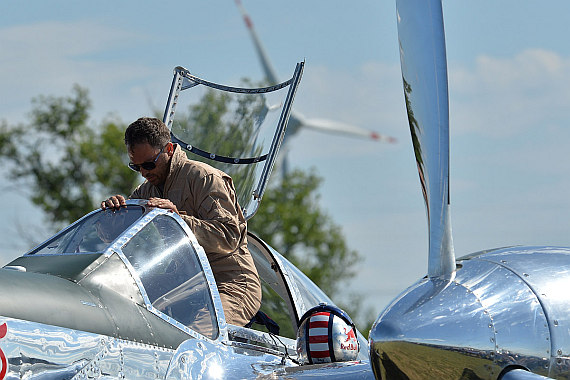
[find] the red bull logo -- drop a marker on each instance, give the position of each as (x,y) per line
(350,343)
(3,331)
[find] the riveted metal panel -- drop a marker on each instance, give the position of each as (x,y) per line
(520,329)
(546,273)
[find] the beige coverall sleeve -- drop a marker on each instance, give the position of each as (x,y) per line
(217,225)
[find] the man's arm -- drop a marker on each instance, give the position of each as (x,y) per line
(220,232)
(217,223)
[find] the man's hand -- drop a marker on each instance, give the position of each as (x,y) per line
(162,203)
(114,203)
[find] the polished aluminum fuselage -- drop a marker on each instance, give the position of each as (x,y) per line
(503,308)
(37,351)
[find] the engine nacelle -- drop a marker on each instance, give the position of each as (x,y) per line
(505,308)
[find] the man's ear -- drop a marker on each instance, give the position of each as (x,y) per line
(170,149)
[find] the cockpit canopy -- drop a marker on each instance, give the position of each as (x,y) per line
(94,233)
(139,261)
(161,261)
(236,129)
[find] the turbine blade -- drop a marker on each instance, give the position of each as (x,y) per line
(346,129)
(263,57)
(296,121)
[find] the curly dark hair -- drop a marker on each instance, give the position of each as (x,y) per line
(147,130)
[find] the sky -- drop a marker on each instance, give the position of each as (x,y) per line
(509,90)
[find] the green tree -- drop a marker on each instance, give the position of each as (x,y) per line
(304,233)
(65,162)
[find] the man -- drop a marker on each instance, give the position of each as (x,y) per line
(206,199)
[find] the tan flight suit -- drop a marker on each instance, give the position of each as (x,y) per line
(208,198)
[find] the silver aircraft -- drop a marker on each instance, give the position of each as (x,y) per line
(130,294)
(497,314)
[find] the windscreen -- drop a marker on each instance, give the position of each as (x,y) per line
(170,271)
(93,233)
(235,129)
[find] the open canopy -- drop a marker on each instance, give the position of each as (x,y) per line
(236,129)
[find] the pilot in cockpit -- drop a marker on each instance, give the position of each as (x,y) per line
(206,199)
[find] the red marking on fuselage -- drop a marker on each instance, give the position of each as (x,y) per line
(3,332)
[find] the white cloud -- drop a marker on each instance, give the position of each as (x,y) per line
(501,97)
(367,95)
(65,39)
(48,58)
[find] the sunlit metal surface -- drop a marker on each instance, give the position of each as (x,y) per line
(546,271)
(48,352)
(503,308)
(35,351)
(521,374)
(263,339)
(356,370)
(424,72)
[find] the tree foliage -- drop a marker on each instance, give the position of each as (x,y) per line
(65,162)
(291,220)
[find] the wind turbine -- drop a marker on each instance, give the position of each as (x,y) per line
(296,120)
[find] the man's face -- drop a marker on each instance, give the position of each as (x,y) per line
(141,153)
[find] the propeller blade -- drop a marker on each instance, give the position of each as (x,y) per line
(424,72)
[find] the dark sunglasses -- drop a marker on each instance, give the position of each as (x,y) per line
(146,165)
